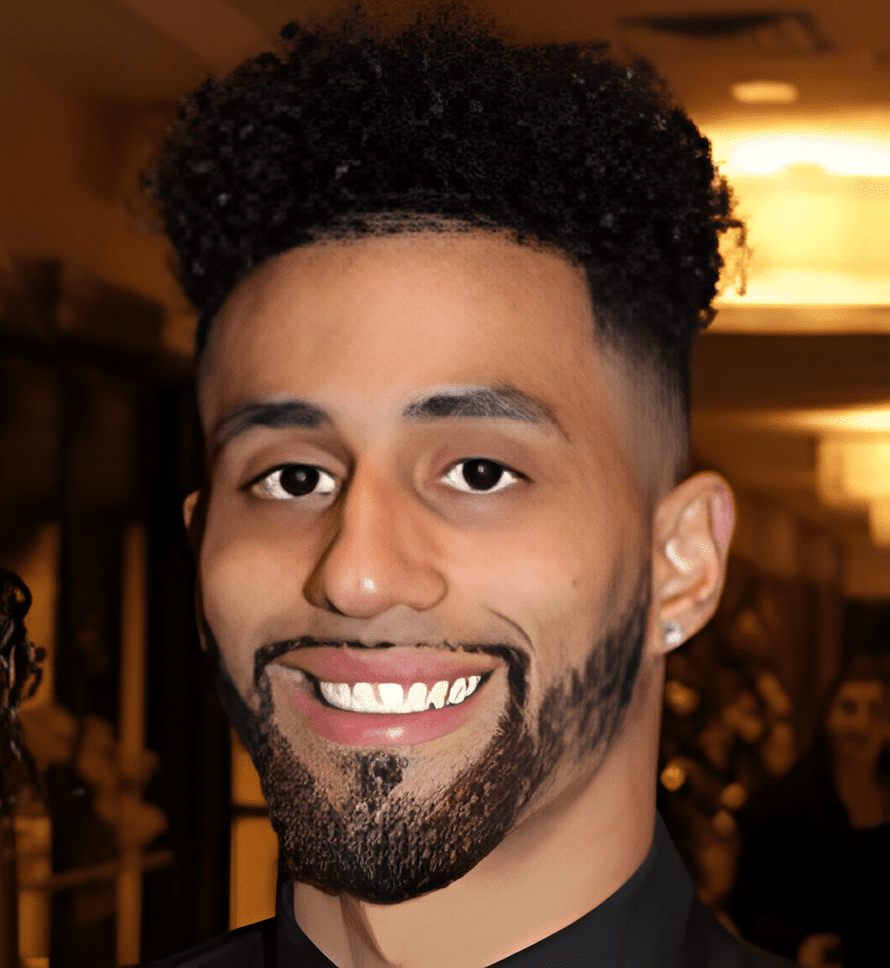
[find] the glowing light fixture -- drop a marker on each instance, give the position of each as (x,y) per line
(855,471)
(764,92)
(856,468)
(834,424)
(879,522)
(840,155)
(830,482)
(809,287)
(815,193)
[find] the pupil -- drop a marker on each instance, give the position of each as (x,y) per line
(299,480)
(482,475)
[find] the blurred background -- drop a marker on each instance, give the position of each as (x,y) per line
(153,832)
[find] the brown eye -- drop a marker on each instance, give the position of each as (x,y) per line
(295,480)
(298,479)
(479,475)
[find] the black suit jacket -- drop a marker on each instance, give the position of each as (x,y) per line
(655,920)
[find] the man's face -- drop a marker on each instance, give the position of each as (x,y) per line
(424,565)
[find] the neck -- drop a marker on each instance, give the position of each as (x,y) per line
(568,857)
(865,798)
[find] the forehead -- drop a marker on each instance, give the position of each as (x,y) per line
(873,692)
(380,318)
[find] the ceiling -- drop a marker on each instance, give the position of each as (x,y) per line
(151,50)
(141,54)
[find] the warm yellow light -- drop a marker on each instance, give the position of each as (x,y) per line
(797,287)
(856,469)
(817,226)
(673,776)
(866,468)
(879,522)
(764,92)
(848,420)
(832,424)
(830,472)
(763,155)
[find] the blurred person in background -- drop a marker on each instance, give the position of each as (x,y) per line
(20,675)
(823,833)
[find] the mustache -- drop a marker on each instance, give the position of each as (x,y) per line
(517,662)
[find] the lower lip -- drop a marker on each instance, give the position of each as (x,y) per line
(381,729)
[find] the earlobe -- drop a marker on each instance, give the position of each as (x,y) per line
(693,530)
(188,508)
(194,512)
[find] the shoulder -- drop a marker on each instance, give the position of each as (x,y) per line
(748,956)
(242,948)
(710,944)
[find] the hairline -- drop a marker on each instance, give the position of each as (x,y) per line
(624,354)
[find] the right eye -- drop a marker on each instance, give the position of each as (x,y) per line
(292,481)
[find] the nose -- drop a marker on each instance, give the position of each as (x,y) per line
(378,557)
(863,715)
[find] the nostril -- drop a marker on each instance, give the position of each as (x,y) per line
(331,606)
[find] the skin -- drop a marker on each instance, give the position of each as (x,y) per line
(551,563)
(859,726)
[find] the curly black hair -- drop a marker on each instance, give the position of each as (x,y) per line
(446,122)
(20,675)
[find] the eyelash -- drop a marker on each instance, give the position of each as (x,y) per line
(268,482)
(453,470)
(271,480)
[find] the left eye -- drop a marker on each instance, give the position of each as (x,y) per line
(478,475)
(295,480)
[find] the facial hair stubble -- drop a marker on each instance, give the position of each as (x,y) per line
(384,848)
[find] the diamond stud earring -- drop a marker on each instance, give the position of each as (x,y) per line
(673,634)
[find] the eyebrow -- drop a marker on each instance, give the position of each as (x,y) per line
(493,403)
(276,414)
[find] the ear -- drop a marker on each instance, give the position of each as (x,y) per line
(188,508)
(194,513)
(693,529)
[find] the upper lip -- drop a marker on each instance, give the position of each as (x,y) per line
(399,664)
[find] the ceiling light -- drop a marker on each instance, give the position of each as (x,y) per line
(842,156)
(835,423)
(803,287)
(764,92)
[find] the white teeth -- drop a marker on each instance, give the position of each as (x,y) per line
(345,695)
(391,697)
(437,695)
(416,698)
(337,694)
(363,698)
(458,692)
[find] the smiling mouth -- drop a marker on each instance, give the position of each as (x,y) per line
(393,698)
(364,696)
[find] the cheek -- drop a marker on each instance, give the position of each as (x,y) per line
(248,579)
(554,578)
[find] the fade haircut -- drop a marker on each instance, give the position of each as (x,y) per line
(360,128)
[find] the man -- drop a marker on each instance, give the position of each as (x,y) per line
(448,288)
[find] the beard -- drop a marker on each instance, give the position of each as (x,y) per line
(380,845)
